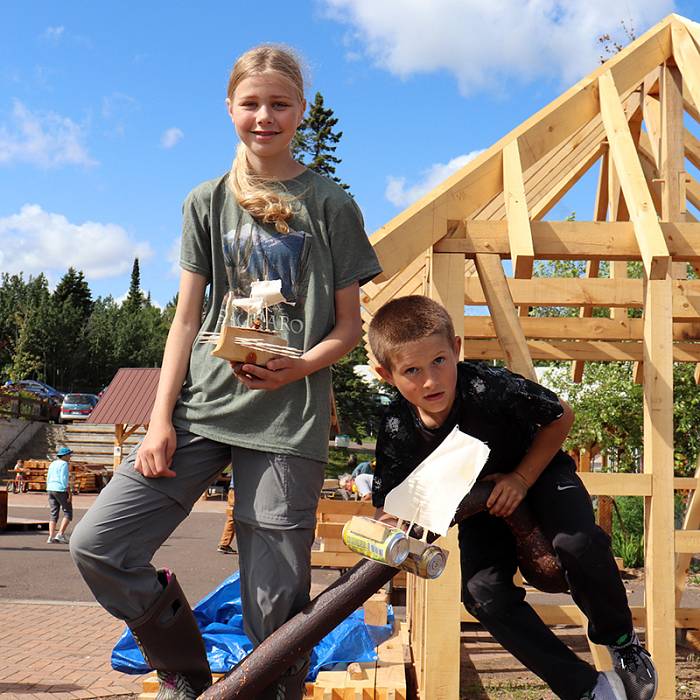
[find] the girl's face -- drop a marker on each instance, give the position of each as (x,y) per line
(266,111)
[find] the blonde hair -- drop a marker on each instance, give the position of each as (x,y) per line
(405,320)
(256,194)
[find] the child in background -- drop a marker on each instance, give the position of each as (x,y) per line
(525,425)
(269,218)
(20,483)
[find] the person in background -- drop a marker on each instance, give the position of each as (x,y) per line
(357,487)
(229,528)
(58,488)
(363,468)
(20,482)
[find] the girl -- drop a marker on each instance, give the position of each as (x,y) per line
(269,218)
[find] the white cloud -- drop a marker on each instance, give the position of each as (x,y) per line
(35,241)
(485,43)
(171,137)
(401,196)
(54,33)
(45,139)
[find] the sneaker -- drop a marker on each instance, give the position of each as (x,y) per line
(225,549)
(175,686)
(608,687)
(50,540)
(634,666)
(61,538)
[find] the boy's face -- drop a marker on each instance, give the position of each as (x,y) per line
(425,372)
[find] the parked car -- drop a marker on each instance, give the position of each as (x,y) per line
(77,406)
(41,389)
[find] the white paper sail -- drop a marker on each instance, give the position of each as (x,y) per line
(250,305)
(432,492)
(269,291)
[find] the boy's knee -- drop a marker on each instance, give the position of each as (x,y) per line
(483,598)
(583,547)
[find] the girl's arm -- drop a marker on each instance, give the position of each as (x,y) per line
(156,451)
(342,339)
(511,488)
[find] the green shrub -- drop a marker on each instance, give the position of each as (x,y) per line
(629,547)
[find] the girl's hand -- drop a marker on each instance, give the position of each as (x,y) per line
(507,494)
(275,374)
(156,452)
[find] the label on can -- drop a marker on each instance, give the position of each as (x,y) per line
(376,541)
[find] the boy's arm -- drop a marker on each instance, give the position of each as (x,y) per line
(511,488)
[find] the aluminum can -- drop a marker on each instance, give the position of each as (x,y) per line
(376,541)
(429,563)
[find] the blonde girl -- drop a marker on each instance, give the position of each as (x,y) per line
(269,218)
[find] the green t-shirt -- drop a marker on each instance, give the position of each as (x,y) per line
(326,249)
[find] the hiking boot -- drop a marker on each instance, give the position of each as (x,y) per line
(608,687)
(174,686)
(634,666)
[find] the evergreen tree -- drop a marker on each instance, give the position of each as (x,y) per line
(74,288)
(315,142)
(134,299)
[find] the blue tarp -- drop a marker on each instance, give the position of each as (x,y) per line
(220,619)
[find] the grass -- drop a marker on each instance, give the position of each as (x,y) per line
(338,458)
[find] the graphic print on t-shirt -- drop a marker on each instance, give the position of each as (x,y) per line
(252,253)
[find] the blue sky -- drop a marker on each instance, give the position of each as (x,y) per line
(111,111)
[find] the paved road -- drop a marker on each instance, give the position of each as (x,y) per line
(35,570)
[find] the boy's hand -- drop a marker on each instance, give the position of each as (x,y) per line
(277,373)
(507,494)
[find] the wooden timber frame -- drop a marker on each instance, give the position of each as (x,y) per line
(627,119)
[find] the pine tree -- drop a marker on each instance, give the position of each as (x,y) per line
(74,288)
(315,142)
(134,299)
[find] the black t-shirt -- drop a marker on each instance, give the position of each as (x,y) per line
(492,404)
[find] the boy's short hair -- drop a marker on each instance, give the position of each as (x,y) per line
(404,320)
(343,479)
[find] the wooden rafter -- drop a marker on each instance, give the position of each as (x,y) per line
(655,253)
(517,216)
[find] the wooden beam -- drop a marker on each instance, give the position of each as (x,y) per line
(588,350)
(504,315)
(614,484)
(655,254)
(517,216)
(391,289)
(576,328)
(658,359)
(685,618)
(574,240)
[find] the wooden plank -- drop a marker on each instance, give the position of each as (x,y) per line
(517,216)
(614,484)
(422,224)
(573,328)
(504,315)
(685,618)
(561,291)
(687,58)
(574,240)
(687,541)
(392,288)
(650,238)
(588,350)
(658,461)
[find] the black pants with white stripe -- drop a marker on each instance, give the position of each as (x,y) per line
(562,506)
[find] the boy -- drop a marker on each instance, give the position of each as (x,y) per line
(524,424)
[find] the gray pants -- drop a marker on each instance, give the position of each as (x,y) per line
(58,500)
(276,497)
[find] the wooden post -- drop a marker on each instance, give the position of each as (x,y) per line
(441,609)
